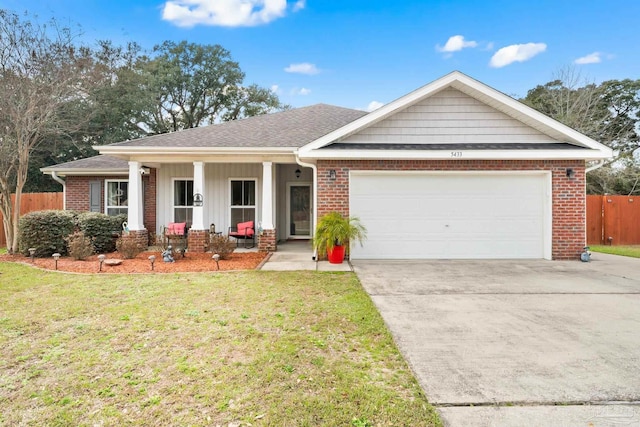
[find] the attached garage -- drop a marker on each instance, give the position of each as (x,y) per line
(452,215)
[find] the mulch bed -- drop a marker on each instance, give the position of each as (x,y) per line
(192,262)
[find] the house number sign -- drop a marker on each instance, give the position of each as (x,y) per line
(197,199)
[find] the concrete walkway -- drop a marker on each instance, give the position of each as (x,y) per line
(297,255)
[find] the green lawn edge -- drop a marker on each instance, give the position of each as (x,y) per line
(630,251)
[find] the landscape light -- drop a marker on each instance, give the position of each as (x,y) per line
(56,256)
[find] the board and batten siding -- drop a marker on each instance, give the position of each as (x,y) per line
(449,116)
(216,195)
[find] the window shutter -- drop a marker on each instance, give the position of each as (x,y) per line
(95,188)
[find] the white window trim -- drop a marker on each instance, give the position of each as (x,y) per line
(255,206)
(173,196)
(106,195)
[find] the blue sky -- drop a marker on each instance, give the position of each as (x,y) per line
(361,53)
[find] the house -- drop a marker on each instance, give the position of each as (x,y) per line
(454,169)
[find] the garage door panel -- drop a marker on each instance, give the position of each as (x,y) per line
(414,216)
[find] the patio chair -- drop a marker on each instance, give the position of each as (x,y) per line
(245,231)
(175,234)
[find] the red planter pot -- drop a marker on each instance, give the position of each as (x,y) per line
(335,255)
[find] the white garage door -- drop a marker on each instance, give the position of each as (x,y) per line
(441,215)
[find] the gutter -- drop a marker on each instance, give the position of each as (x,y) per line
(315,197)
(56,178)
(598,165)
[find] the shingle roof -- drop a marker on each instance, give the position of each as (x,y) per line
(290,128)
(96,162)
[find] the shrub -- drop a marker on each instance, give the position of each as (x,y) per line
(128,246)
(102,229)
(79,245)
(46,231)
(222,246)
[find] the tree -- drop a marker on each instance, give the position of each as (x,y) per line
(43,77)
(607,112)
(194,85)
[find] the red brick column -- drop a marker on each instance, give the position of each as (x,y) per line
(197,240)
(267,241)
(150,190)
(141,237)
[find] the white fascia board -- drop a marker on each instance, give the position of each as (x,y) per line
(455,155)
(466,84)
(134,150)
(85,172)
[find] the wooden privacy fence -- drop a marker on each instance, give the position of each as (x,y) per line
(33,202)
(613,220)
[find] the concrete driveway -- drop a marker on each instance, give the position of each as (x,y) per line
(517,342)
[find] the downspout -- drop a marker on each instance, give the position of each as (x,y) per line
(56,178)
(315,197)
(598,165)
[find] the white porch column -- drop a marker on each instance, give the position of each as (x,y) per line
(267,196)
(198,188)
(135,215)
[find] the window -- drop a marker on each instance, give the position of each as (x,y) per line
(117,197)
(243,201)
(183,201)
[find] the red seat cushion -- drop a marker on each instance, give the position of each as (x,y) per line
(177,228)
(245,229)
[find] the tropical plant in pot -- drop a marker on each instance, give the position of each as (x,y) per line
(333,234)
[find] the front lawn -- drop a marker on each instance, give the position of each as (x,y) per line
(631,250)
(246,348)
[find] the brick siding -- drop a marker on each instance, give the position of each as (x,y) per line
(77,195)
(568,199)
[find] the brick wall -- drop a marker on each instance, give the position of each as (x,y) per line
(568,199)
(149,183)
(77,194)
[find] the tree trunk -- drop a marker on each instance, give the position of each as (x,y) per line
(6,221)
(16,219)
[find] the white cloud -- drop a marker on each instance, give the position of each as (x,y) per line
(275,89)
(516,53)
(303,68)
(225,13)
(592,58)
(299,5)
(300,91)
(456,43)
(374,105)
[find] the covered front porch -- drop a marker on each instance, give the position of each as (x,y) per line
(277,196)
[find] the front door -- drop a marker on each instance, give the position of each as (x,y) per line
(299,210)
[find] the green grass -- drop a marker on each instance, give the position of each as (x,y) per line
(259,348)
(631,251)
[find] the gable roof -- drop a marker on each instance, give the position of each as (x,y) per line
(286,129)
(325,146)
